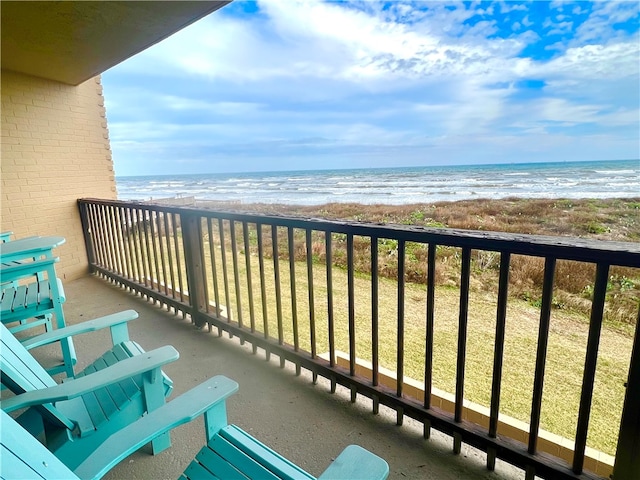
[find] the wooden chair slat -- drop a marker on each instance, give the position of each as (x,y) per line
(219,467)
(19,299)
(221,447)
(195,471)
(262,454)
(33,295)
(7,299)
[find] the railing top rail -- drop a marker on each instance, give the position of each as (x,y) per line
(566,248)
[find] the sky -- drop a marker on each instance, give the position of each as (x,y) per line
(297,85)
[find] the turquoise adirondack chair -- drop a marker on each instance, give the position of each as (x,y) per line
(26,305)
(78,415)
(23,456)
(230,453)
(123,347)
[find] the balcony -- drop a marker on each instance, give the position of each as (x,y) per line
(180,266)
(289,291)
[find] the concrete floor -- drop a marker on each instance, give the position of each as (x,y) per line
(302,421)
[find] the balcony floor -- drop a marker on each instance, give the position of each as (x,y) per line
(302,421)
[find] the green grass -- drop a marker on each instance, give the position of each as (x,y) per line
(602,219)
(565,356)
(567,339)
(566,347)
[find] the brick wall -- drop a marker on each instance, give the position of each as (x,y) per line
(55,149)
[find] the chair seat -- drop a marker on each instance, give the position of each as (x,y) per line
(97,408)
(233,454)
(31,300)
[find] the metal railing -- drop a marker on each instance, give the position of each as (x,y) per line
(212,266)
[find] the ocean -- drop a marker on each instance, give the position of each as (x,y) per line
(396,186)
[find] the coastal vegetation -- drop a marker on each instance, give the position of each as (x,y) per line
(601,219)
(565,357)
(611,219)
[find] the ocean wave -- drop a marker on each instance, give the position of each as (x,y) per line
(623,184)
(167,184)
(395,186)
(616,172)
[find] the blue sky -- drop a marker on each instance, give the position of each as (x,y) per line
(288,85)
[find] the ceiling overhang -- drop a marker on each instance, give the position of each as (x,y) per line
(73,41)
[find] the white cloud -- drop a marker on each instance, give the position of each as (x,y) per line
(561,28)
(577,10)
(600,25)
(595,62)
(325,76)
(561,110)
(526,21)
(174,102)
(319,40)
(506,7)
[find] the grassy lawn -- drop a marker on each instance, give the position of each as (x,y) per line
(616,219)
(565,356)
(598,219)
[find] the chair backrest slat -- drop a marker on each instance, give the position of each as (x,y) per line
(20,370)
(25,457)
(20,373)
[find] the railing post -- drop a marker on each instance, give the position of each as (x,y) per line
(627,464)
(194,262)
(88,242)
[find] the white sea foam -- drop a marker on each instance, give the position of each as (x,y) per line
(398,185)
(615,172)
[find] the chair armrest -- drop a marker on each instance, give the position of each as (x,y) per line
(111,321)
(179,411)
(356,463)
(35,265)
(14,271)
(79,386)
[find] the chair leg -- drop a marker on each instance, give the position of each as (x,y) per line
(68,351)
(48,326)
(69,356)
(153,387)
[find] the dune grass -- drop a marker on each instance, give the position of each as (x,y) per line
(600,219)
